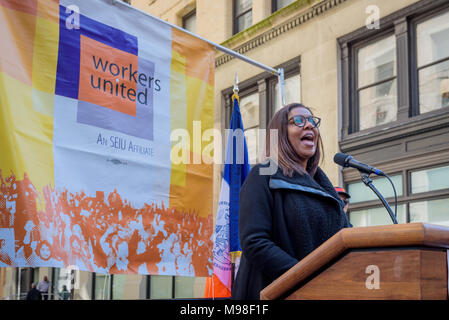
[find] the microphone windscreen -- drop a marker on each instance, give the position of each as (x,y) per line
(340,158)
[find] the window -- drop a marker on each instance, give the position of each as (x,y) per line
(161,287)
(136,286)
(8,284)
(360,193)
(432,38)
(62,278)
(376,85)
(189,287)
(397,72)
(376,216)
(292,91)
(425,198)
(128,286)
(279,4)
(434,211)
(102,288)
(242,15)
(176,287)
(430,180)
(189,21)
(395,115)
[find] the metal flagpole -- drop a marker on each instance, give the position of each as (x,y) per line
(236,84)
(279,72)
(235,89)
(281,86)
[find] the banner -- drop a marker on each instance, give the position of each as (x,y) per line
(227,250)
(90,95)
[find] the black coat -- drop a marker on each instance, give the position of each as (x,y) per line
(34,294)
(281,220)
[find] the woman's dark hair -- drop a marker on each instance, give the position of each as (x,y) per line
(288,159)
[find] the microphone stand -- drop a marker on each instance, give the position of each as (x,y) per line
(369,183)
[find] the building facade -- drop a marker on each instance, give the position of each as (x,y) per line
(377,74)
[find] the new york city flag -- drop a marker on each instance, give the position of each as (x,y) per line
(227,248)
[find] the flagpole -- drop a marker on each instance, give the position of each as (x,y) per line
(215,45)
(235,89)
(281,87)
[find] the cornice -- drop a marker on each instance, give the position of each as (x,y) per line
(275,32)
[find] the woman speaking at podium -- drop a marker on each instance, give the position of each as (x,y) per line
(286,215)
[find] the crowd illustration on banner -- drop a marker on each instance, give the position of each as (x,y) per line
(102,233)
(91,99)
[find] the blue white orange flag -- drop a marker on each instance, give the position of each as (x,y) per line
(227,248)
(90,92)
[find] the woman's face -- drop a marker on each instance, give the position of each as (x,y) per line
(304,140)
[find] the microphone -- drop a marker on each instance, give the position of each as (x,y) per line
(345,160)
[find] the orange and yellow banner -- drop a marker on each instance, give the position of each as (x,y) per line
(90,95)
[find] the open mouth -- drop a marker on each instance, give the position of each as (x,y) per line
(307,137)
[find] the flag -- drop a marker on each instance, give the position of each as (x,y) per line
(227,248)
(101,109)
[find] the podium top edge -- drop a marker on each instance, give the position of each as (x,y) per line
(396,235)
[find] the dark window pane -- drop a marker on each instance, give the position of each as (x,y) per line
(189,22)
(283,3)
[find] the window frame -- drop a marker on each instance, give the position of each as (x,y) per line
(375,203)
(235,17)
(414,141)
(418,196)
(147,280)
(407,196)
(355,89)
(403,25)
(414,72)
(109,278)
(274,6)
(187,16)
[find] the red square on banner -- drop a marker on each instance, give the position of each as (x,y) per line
(108,76)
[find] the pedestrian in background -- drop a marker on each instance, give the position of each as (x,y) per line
(34,294)
(343,196)
(43,287)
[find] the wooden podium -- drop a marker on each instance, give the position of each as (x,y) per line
(393,262)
